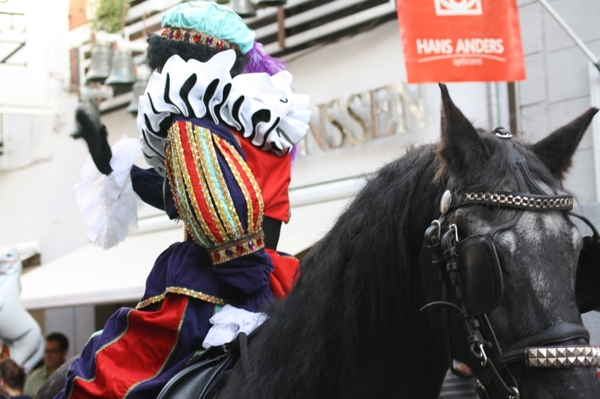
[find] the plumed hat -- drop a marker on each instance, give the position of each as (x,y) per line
(211,24)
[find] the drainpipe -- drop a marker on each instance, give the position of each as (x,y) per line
(493,105)
(514,108)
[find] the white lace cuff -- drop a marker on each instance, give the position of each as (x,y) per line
(108,203)
(229,322)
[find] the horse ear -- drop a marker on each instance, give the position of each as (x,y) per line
(460,144)
(557,149)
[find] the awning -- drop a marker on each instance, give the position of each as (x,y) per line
(92,275)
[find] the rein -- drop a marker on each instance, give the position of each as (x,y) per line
(471,270)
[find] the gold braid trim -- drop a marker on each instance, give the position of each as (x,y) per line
(218,189)
(181,291)
(180,179)
(252,227)
(232,250)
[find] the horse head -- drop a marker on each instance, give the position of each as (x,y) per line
(9,261)
(10,271)
(507,256)
(18,329)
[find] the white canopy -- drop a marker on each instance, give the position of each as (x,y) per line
(92,275)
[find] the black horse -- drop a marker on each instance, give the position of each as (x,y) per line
(379,311)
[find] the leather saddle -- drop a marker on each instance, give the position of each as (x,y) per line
(198,379)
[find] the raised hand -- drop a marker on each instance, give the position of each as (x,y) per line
(95,136)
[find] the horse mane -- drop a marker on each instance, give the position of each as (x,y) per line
(338,311)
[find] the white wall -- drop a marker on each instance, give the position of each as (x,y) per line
(557,88)
(359,64)
(38,201)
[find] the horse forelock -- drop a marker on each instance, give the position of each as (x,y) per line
(492,170)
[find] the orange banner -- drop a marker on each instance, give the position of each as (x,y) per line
(461,40)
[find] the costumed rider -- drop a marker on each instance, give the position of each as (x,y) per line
(220,148)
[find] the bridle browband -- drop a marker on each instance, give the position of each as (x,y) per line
(460,266)
(527,202)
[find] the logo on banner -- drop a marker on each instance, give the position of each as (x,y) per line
(458,7)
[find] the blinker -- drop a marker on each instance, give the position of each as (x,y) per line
(481,274)
(587,279)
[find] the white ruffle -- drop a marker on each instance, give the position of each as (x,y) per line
(108,203)
(181,88)
(229,322)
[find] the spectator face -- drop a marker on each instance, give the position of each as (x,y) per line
(53,355)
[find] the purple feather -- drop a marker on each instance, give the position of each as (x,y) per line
(259,61)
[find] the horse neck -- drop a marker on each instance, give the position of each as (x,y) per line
(351,327)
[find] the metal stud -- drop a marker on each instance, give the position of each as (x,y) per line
(502,132)
(563,357)
(445,202)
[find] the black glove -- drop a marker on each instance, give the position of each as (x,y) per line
(96,138)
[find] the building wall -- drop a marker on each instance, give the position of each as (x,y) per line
(77,13)
(42,162)
(359,64)
(557,88)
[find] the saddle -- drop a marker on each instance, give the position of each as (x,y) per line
(199,378)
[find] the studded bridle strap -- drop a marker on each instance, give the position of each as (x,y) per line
(544,350)
(528,202)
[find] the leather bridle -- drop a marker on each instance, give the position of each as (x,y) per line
(471,270)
